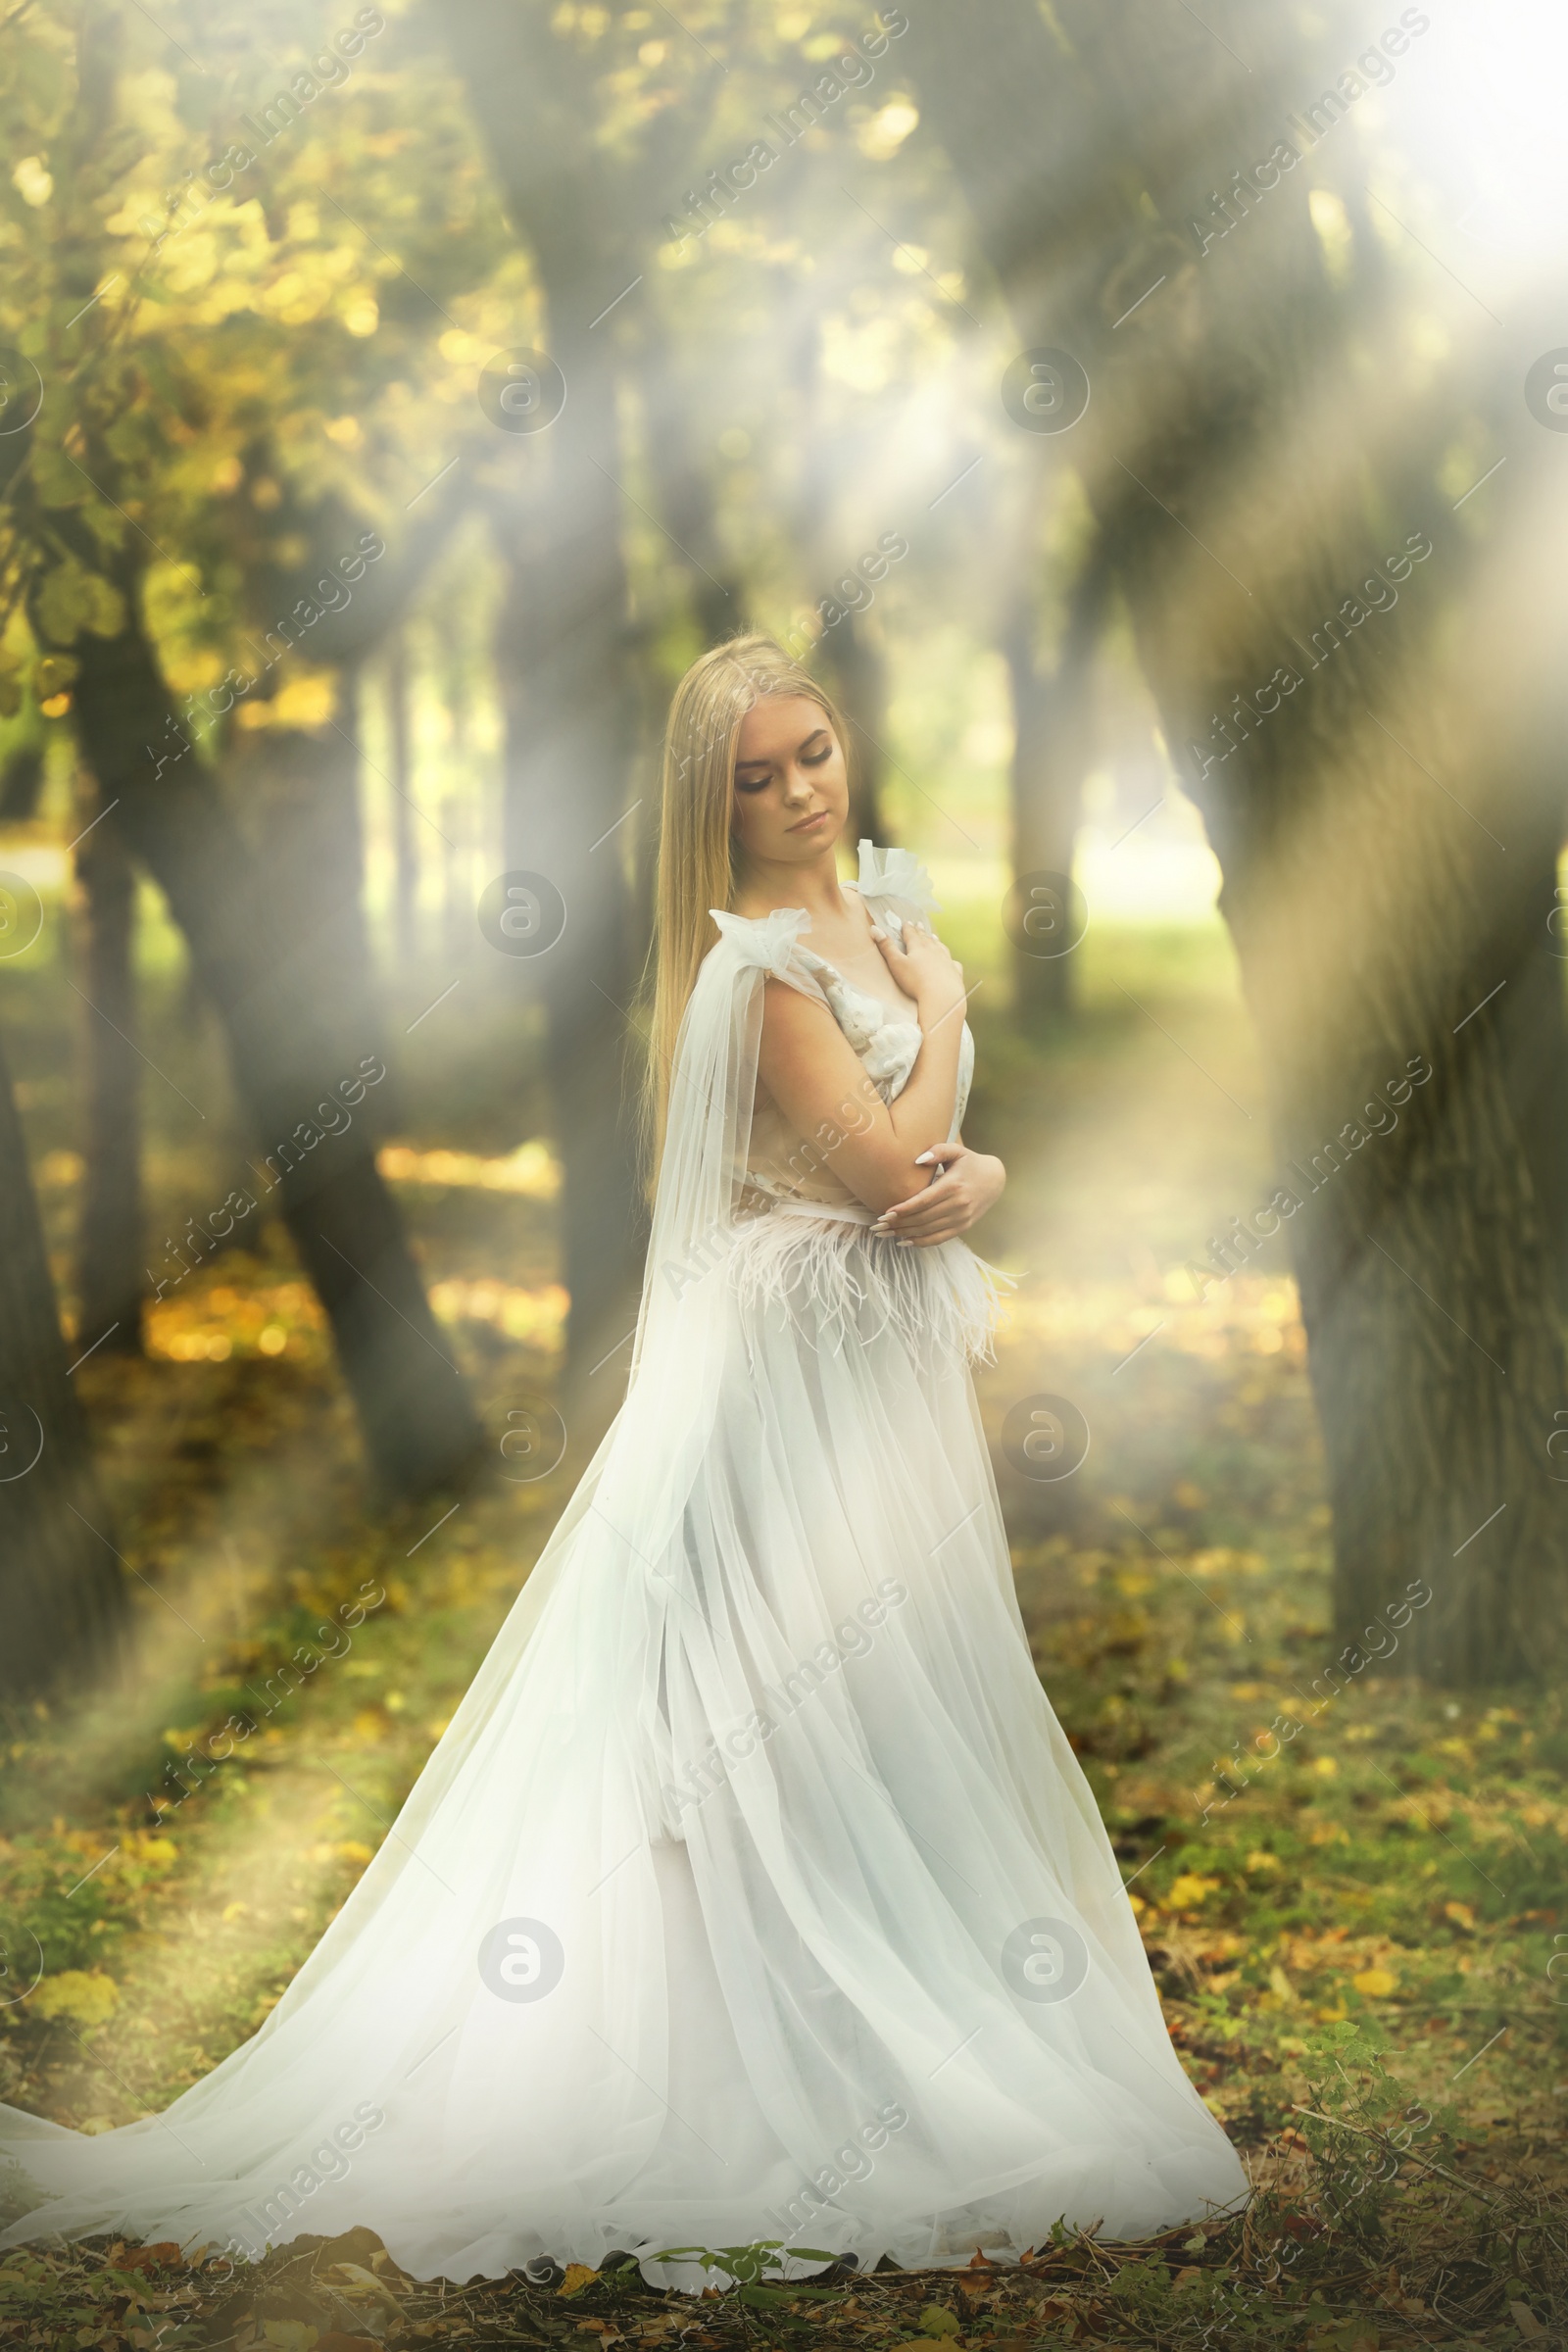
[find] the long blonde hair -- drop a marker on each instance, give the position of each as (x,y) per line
(696,832)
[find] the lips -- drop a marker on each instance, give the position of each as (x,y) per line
(808,824)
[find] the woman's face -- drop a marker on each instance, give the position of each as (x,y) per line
(792,795)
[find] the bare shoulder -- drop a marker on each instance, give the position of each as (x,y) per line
(789,1016)
(799,1034)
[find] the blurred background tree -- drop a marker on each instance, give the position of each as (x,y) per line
(300,630)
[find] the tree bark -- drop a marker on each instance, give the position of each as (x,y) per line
(1371,919)
(61,1600)
(300,1066)
(562,646)
(111,1277)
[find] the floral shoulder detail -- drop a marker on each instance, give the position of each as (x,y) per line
(769,942)
(895,881)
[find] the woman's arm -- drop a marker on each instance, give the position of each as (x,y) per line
(967,1184)
(815,1078)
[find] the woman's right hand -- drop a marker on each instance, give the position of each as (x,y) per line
(924,970)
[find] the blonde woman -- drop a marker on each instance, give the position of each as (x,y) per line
(753,1892)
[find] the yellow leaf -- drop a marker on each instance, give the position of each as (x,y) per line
(90,1999)
(577,2279)
(31,181)
(305,702)
(1376,1982)
(1460,1912)
(1187,1890)
(1325,1767)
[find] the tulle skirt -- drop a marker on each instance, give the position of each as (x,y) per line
(754,1893)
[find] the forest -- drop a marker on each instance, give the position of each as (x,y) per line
(1149,426)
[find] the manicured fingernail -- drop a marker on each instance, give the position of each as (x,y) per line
(925,1159)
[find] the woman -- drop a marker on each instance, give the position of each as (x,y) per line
(753,1892)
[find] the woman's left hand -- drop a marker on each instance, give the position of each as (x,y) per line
(969,1183)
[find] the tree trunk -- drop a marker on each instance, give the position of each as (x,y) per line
(563,651)
(1053,746)
(1370,916)
(110,1262)
(61,1600)
(304,1062)
(567,748)
(858,671)
(22,781)
(399,757)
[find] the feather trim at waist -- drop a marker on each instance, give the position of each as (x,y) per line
(817,1265)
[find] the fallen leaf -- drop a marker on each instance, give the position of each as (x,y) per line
(937,2319)
(86,1996)
(291,2336)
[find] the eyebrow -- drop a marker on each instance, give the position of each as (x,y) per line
(800,747)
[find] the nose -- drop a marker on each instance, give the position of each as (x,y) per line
(797,788)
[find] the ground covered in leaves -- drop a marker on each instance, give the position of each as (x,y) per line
(1350,1887)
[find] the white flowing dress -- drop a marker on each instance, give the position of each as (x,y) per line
(753,1892)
